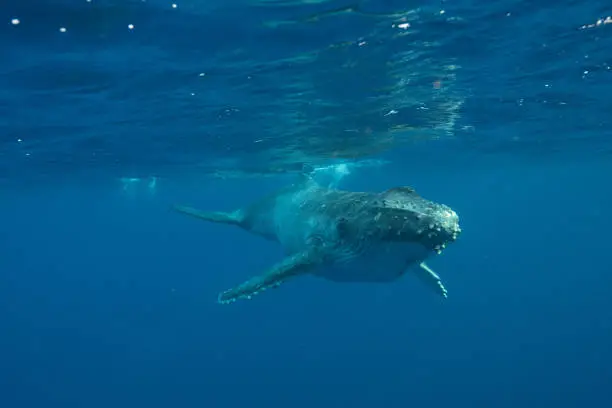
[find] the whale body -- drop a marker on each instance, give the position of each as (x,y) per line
(342,236)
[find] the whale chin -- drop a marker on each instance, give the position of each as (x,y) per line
(384,262)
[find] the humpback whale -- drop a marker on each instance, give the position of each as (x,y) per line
(342,236)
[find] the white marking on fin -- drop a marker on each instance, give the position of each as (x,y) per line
(431,279)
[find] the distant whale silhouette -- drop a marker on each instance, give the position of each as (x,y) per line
(343,236)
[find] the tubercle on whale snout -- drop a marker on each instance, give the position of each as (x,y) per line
(434,225)
(444,228)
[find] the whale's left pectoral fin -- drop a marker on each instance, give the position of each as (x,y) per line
(431,279)
(291,266)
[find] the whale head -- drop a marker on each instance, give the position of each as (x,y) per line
(401,215)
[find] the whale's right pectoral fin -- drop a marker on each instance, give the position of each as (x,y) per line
(291,266)
(234,218)
(431,279)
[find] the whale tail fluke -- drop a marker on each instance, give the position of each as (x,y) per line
(233,218)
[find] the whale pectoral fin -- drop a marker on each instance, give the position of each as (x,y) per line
(215,216)
(431,279)
(294,265)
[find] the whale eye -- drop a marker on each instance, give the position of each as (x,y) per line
(342,227)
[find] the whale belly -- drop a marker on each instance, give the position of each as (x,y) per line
(383,262)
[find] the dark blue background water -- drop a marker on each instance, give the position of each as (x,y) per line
(107,298)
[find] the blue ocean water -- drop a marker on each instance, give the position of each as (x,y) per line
(113,110)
